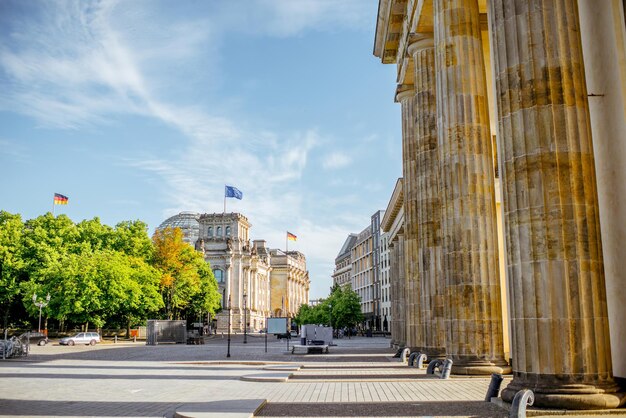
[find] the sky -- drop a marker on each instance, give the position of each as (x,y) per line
(143,109)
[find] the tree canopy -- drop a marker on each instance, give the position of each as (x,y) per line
(97,274)
(341,309)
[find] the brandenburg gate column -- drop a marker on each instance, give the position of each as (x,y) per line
(428,203)
(560,332)
(414,335)
(473,317)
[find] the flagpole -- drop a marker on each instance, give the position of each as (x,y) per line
(286,243)
(53,206)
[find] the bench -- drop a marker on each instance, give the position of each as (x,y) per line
(308,349)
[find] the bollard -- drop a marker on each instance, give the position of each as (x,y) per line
(494,387)
(412,358)
(447,368)
(433,365)
(420,361)
(404,355)
(115,340)
(134,338)
(523,398)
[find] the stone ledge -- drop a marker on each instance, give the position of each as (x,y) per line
(235,408)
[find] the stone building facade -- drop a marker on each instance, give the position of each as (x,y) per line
(343,263)
(363,274)
(257,281)
(289,282)
(393,225)
(531,75)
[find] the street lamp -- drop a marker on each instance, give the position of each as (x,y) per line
(228,352)
(245,320)
(40,304)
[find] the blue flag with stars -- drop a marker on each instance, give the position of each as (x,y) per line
(233,192)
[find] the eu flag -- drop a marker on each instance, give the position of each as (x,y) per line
(233,192)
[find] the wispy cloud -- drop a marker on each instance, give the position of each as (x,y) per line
(336,160)
(82,64)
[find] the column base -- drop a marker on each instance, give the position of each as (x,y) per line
(434,353)
(561,392)
(480,367)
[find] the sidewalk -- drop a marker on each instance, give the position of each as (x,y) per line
(358,378)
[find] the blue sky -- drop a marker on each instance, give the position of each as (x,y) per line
(143,109)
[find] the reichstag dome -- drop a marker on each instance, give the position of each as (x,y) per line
(187,222)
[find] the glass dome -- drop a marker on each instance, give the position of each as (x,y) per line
(187,222)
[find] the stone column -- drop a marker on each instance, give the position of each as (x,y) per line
(559,319)
(402,310)
(427,200)
(473,317)
(414,335)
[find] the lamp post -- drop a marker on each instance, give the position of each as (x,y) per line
(228,351)
(245,320)
(40,304)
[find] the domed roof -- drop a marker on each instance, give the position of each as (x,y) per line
(187,222)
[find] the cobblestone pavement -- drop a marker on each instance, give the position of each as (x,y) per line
(358,378)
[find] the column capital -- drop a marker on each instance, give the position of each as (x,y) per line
(420,41)
(404,91)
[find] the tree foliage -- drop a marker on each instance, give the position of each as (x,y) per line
(341,309)
(98,275)
(187,282)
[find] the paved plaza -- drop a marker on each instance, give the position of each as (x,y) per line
(359,377)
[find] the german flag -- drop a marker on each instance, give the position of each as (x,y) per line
(59,199)
(291,237)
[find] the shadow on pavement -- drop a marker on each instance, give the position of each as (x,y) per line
(377,409)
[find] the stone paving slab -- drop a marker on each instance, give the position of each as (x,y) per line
(266,377)
(384,409)
(232,408)
(136,380)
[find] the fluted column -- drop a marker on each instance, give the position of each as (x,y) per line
(406,96)
(427,200)
(396,341)
(473,315)
(559,319)
(402,310)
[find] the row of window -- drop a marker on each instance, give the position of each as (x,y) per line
(218,231)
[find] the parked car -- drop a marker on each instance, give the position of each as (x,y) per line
(38,338)
(87,338)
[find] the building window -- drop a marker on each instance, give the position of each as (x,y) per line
(219,231)
(210,233)
(219,275)
(228,231)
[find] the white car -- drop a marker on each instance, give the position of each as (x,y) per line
(87,338)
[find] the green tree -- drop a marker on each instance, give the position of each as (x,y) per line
(187,281)
(345,307)
(11,263)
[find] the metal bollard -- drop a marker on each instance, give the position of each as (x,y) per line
(134,338)
(404,355)
(420,361)
(494,387)
(433,365)
(447,368)
(523,398)
(115,339)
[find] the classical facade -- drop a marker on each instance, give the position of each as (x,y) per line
(384,268)
(255,281)
(393,225)
(343,263)
(289,282)
(514,98)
